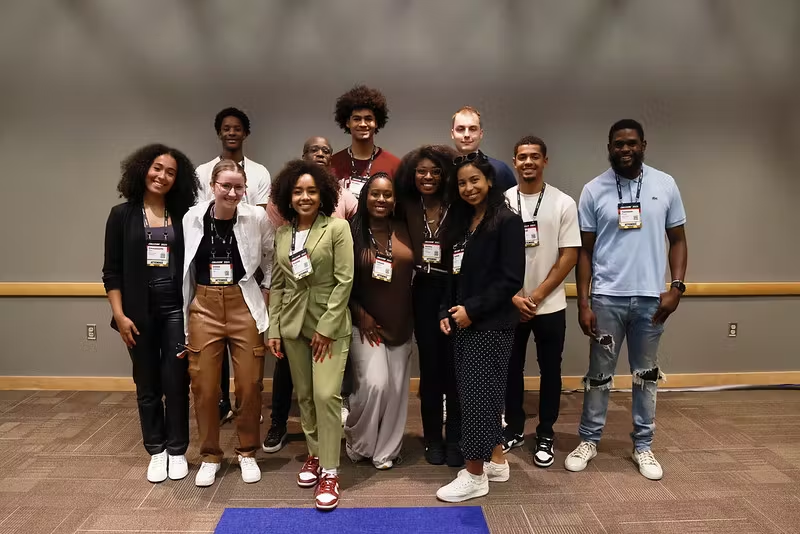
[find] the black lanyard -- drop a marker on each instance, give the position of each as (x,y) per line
(294,234)
(223,239)
(443,211)
(147,223)
(638,188)
(375,243)
(353,173)
(538,203)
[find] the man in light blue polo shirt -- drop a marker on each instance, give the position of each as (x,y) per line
(625,215)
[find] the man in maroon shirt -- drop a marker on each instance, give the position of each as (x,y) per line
(362,112)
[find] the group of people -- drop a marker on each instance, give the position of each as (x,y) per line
(337,264)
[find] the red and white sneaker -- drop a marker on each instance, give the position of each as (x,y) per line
(326,496)
(309,474)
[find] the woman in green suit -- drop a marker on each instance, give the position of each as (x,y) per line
(312,276)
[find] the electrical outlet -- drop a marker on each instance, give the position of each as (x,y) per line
(91,332)
(732,329)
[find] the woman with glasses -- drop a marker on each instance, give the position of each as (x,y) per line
(486,242)
(380,304)
(141,275)
(311,283)
(226,242)
(421,188)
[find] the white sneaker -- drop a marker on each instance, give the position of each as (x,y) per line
(345,414)
(207,474)
(578,459)
(497,472)
(178,467)
(157,470)
(250,470)
(383,466)
(464,487)
(648,465)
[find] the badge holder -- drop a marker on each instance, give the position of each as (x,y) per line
(458,258)
(382,268)
(531,234)
(431,251)
(356,185)
(630,215)
(301,264)
(220,272)
(157,254)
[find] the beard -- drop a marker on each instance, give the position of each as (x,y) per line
(637,158)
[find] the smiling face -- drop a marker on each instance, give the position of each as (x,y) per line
(530,163)
(229,188)
(473,187)
(161,175)
(626,151)
(380,198)
(306,196)
(362,124)
(427,177)
(231,133)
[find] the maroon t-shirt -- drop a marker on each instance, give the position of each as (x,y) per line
(384,162)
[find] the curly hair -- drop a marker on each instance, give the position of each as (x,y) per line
(284,182)
(361,97)
(360,222)
(405,178)
(460,215)
(183,193)
(232,112)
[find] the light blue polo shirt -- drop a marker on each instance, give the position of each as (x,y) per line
(630,263)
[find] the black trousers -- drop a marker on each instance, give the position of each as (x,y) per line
(281,390)
(548,334)
(436,368)
(161,377)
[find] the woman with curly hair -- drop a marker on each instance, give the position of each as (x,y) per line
(142,277)
(362,112)
(421,188)
(312,276)
(486,242)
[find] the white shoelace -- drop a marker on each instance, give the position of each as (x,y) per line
(246,462)
(584,451)
(208,469)
(647,458)
(157,461)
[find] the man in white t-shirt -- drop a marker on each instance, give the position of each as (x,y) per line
(233,127)
(552,241)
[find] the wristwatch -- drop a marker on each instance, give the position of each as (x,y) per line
(679,285)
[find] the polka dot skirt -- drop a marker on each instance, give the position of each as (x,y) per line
(481,362)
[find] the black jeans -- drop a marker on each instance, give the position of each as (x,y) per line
(436,369)
(548,333)
(159,373)
(281,390)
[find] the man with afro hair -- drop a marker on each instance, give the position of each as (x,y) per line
(362,112)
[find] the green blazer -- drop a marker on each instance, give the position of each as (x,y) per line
(318,302)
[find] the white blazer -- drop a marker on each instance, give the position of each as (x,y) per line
(255,238)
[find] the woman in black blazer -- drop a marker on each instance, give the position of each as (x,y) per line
(486,241)
(142,277)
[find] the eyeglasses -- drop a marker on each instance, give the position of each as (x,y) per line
(316,148)
(477,156)
(435,172)
(238,189)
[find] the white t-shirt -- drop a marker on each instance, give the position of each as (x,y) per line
(258,182)
(300,240)
(558,228)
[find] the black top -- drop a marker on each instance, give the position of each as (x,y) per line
(418,232)
(125,265)
(219,242)
(492,272)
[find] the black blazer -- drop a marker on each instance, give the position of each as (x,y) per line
(125,266)
(492,272)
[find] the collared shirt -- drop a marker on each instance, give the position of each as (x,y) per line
(258,182)
(255,237)
(630,263)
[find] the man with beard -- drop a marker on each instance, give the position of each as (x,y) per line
(624,215)
(552,240)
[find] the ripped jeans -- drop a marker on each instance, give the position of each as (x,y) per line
(619,318)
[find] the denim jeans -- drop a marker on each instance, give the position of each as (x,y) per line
(619,318)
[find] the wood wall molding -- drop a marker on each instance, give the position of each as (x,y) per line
(694,289)
(690,380)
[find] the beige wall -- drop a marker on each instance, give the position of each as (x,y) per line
(716,84)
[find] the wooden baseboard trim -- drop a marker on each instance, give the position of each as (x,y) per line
(694,289)
(690,380)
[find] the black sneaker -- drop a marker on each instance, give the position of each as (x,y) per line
(543,455)
(434,453)
(454,456)
(225,412)
(276,438)
(511,440)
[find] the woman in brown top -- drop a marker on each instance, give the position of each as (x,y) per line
(380,305)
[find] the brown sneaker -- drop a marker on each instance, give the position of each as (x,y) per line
(309,474)
(326,496)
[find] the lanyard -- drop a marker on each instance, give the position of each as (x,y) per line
(353,173)
(294,234)
(375,243)
(228,234)
(443,211)
(638,188)
(538,202)
(147,223)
